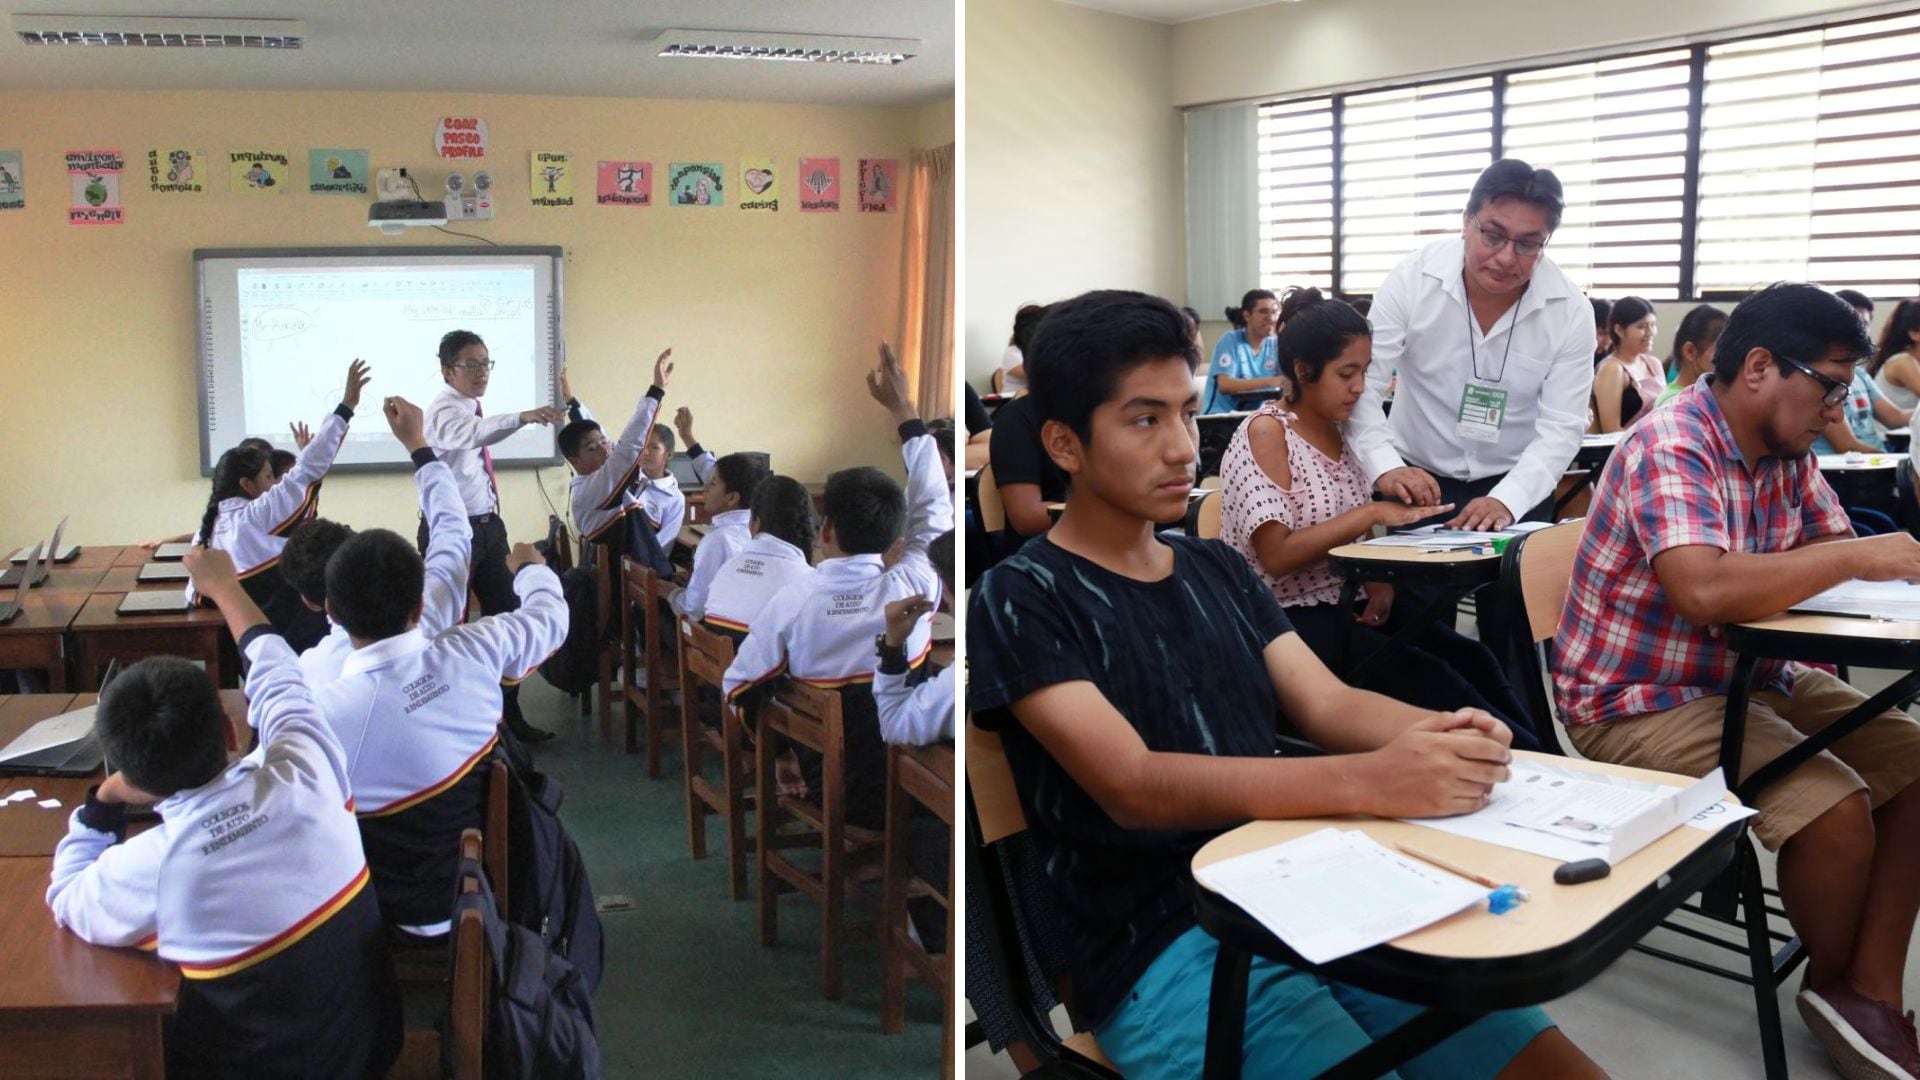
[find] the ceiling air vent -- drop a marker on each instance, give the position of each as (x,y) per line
(792,48)
(160,32)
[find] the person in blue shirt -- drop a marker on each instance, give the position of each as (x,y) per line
(1246,370)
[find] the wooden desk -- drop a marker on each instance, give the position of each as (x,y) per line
(101,634)
(72,578)
(35,639)
(1474,962)
(133,555)
(126,579)
(96,557)
(1588,461)
(1453,575)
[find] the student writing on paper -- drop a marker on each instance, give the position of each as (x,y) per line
(1711,511)
(254,882)
(249,515)
(1140,681)
(1294,491)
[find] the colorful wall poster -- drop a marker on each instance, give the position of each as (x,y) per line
(95,178)
(460,137)
(177,170)
(624,183)
(762,185)
(258,172)
(337,172)
(819,185)
(552,178)
(879,185)
(696,184)
(13,181)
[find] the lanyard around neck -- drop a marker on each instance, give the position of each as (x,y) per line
(1472,354)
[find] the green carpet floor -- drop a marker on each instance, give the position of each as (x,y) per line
(688,991)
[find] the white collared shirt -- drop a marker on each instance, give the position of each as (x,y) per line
(1540,352)
(914,715)
(457,436)
(725,540)
(763,567)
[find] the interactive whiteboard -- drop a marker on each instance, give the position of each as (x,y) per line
(279,327)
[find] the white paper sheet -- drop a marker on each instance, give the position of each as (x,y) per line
(51,804)
(1335,892)
(1895,600)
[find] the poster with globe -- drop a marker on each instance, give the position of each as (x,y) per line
(95,178)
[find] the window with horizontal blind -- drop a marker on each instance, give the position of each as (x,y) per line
(1810,160)
(1295,147)
(1408,157)
(1615,133)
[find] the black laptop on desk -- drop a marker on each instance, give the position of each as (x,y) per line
(58,746)
(10,607)
(36,574)
(155,602)
(162,571)
(55,554)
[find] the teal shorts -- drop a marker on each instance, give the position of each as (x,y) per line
(1298,1024)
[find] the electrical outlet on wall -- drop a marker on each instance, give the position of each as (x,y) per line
(390,185)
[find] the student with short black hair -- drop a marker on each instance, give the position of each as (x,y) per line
(1245,371)
(249,514)
(1860,302)
(254,881)
(418,713)
(778,553)
(1136,680)
(822,631)
(728,500)
(443,599)
(604,473)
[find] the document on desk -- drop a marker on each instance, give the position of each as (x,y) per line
(1898,601)
(1571,814)
(1337,891)
(1435,538)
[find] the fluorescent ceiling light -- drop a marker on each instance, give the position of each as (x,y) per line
(793,48)
(160,32)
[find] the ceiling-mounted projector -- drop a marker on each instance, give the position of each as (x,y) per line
(393,215)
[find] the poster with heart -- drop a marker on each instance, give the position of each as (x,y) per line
(95,178)
(879,185)
(819,185)
(258,172)
(552,178)
(624,183)
(762,185)
(13,181)
(177,170)
(696,184)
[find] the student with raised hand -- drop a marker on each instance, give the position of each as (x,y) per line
(1245,369)
(249,515)
(1135,679)
(728,497)
(822,631)
(418,713)
(1692,355)
(1294,491)
(254,882)
(778,553)
(604,472)
(1630,379)
(915,714)
(1712,511)
(443,599)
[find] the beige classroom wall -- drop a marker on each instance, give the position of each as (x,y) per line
(1073,164)
(1290,47)
(772,317)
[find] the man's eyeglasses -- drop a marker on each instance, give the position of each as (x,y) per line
(1836,391)
(1526,249)
(475,365)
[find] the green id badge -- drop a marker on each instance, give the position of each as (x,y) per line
(1482,410)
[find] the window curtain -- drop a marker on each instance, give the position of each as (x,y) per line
(1223,171)
(926,336)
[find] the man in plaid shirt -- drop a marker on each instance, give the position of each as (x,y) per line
(1711,511)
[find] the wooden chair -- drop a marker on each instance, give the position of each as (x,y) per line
(468,1004)
(849,854)
(704,659)
(999,381)
(1207,516)
(606,592)
(987,504)
(642,615)
(423,969)
(922,775)
(1535,573)
(994,816)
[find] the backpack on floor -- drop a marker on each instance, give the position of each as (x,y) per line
(574,667)
(540,1010)
(549,892)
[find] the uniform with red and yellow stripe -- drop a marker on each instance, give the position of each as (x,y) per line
(601,498)
(821,630)
(255,884)
(764,566)
(415,715)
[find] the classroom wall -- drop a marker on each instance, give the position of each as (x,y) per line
(772,317)
(1074,178)
(1286,48)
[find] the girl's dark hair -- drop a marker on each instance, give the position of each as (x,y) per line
(1025,322)
(1316,332)
(1236,318)
(237,464)
(1253,297)
(1696,327)
(1193,318)
(1602,311)
(1297,298)
(783,508)
(1897,336)
(1626,311)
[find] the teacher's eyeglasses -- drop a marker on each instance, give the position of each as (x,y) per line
(1526,249)
(475,365)
(1836,391)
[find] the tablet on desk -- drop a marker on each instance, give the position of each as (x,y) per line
(171,552)
(158,571)
(154,602)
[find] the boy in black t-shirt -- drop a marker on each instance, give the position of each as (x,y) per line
(1139,682)
(1027,478)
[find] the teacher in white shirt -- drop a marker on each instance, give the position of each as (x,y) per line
(1493,345)
(460,432)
